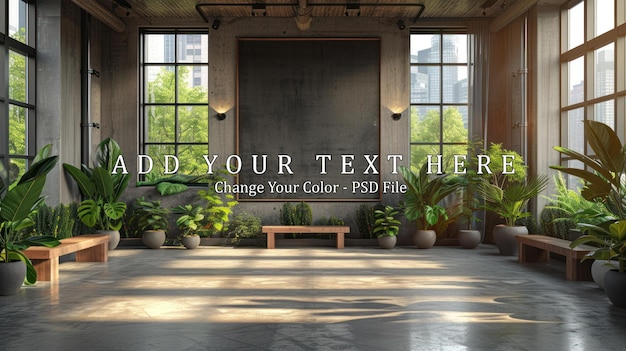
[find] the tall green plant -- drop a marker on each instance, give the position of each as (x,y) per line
(424,193)
(217,209)
(101,187)
(17,205)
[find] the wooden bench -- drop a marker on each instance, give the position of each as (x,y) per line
(271,230)
(88,248)
(537,248)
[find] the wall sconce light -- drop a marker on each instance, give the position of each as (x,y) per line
(259,10)
(216,24)
(400,24)
(353,9)
(221,116)
(396,116)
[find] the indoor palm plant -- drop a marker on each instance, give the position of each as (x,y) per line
(422,201)
(101,187)
(152,220)
(18,202)
(386,227)
(604,177)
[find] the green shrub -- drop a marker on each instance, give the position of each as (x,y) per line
(553,221)
(57,222)
(365,219)
(244,226)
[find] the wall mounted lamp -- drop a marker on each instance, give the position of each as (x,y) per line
(259,10)
(216,24)
(221,116)
(396,116)
(353,10)
(400,24)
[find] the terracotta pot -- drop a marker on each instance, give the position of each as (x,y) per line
(387,242)
(114,237)
(153,239)
(504,237)
(469,239)
(425,239)
(190,241)
(615,287)
(599,269)
(12,276)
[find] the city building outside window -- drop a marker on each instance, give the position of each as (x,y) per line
(439,96)
(593,71)
(174,101)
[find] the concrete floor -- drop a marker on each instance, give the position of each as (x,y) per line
(221,298)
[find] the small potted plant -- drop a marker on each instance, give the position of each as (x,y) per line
(190,220)
(421,202)
(386,227)
(152,220)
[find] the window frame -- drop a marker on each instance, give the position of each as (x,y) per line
(442,105)
(587,50)
(144,142)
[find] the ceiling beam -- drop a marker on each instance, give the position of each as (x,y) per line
(511,13)
(103,14)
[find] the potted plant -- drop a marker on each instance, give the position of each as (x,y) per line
(421,202)
(18,203)
(603,180)
(469,238)
(386,227)
(509,201)
(189,222)
(102,187)
(152,220)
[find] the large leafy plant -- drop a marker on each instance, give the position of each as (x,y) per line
(604,178)
(101,188)
(424,193)
(18,204)
(386,223)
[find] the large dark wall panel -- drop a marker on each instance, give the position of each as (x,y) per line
(308,97)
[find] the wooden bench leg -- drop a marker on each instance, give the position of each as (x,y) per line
(271,241)
(340,240)
(577,270)
(47,270)
(99,253)
(532,254)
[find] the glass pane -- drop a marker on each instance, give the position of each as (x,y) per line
(159,48)
(191,160)
(17,130)
(17,167)
(604,16)
(419,155)
(425,48)
(17,20)
(448,156)
(425,124)
(574,182)
(160,125)
(193,84)
(419,85)
(604,71)
(605,112)
(575,29)
(576,80)
(157,153)
(454,49)
(455,124)
(160,85)
(193,48)
(193,124)
(455,87)
(576,130)
(17,76)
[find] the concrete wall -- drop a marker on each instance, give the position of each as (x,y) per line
(114,96)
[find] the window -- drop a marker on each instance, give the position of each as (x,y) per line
(593,70)
(17,93)
(174,101)
(439,96)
